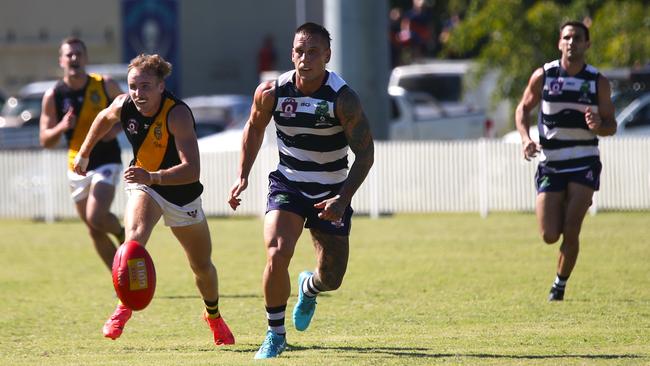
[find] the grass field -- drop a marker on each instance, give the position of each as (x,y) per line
(420,290)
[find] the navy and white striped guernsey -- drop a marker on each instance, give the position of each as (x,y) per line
(312,145)
(567,143)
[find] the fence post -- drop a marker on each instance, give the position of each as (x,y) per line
(48,189)
(483,191)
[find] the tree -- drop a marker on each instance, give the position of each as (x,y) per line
(516,37)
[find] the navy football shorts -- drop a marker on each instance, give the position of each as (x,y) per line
(547,181)
(286,197)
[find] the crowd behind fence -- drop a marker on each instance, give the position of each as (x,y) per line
(408,177)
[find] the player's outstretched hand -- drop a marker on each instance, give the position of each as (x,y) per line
(593,119)
(530,149)
(332,209)
(237,188)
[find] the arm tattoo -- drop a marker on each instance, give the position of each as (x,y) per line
(357,131)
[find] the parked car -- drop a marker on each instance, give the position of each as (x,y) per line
(24,109)
(632,119)
(216,113)
(3,99)
(418,116)
(450,83)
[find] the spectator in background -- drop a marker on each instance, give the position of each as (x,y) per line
(395,19)
(266,55)
(420,24)
(448,27)
(411,47)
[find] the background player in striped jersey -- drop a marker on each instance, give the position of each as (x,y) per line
(576,108)
(317,117)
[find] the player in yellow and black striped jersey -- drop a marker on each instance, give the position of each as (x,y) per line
(68,110)
(162,179)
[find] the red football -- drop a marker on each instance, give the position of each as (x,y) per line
(134,276)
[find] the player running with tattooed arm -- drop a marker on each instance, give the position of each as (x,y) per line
(318,117)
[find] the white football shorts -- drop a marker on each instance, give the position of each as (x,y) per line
(173,215)
(80,184)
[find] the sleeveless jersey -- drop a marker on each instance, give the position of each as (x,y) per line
(154,146)
(312,145)
(567,143)
(86,104)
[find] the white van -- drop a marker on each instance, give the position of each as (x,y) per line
(450,83)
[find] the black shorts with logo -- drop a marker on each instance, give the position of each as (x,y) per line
(549,181)
(284,196)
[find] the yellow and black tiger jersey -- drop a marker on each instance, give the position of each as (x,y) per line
(154,146)
(86,103)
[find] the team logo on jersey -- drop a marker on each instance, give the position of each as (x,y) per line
(584,93)
(338,224)
(289,106)
(322,112)
(94,97)
(555,87)
(157,131)
(192,213)
(132,126)
(589,176)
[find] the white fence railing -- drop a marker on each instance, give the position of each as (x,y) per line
(466,176)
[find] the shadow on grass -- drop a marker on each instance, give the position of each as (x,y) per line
(222,296)
(420,352)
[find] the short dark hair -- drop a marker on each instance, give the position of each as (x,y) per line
(576,24)
(315,29)
(73,40)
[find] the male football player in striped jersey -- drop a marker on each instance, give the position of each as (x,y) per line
(576,108)
(317,118)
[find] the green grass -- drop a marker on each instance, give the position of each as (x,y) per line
(420,290)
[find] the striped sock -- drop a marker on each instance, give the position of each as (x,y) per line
(308,287)
(212,308)
(560,282)
(275,317)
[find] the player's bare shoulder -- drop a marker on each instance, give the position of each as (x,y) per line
(348,107)
(113,111)
(354,121)
(265,95)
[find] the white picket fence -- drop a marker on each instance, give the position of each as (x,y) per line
(466,176)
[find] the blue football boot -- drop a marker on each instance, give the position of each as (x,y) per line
(273,345)
(305,307)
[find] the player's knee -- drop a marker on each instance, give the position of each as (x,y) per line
(95,233)
(550,237)
(203,269)
(570,246)
(94,220)
(278,258)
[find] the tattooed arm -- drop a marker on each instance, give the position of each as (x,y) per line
(357,131)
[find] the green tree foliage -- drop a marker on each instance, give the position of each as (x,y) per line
(516,37)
